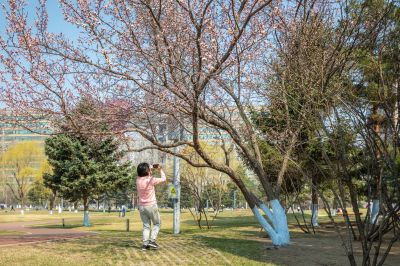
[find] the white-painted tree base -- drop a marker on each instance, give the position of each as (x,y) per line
(278,230)
(374,211)
(314,215)
(86,218)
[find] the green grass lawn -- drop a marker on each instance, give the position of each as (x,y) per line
(235,239)
(230,241)
(10,233)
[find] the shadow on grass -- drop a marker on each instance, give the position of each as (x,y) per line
(254,233)
(66,226)
(106,243)
(244,221)
(227,222)
(249,249)
(109,244)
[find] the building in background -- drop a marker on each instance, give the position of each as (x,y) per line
(13,130)
(21,128)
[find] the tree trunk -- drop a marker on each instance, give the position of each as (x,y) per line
(314,202)
(374,207)
(133,200)
(85,211)
(51,205)
(22,197)
(277,226)
(334,206)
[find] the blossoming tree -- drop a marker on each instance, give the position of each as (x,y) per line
(156,68)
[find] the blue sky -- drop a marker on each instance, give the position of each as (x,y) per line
(56,18)
(56,21)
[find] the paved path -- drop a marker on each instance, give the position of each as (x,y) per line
(36,234)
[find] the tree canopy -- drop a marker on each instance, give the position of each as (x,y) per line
(83,169)
(23,163)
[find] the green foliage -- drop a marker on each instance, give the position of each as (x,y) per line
(272,161)
(38,194)
(205,183)
(84,168)
(376,91)
(23,164)
(378,60)
(186,196)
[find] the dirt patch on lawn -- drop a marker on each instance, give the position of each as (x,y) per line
(27,234)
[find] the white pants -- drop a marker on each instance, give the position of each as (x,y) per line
(150,214)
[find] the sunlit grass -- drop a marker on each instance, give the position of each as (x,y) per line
(236,238)
(227,243)
(10,233)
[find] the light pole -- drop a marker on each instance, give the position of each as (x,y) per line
(177,201)
(177,185)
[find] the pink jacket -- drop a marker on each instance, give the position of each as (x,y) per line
(145,188)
